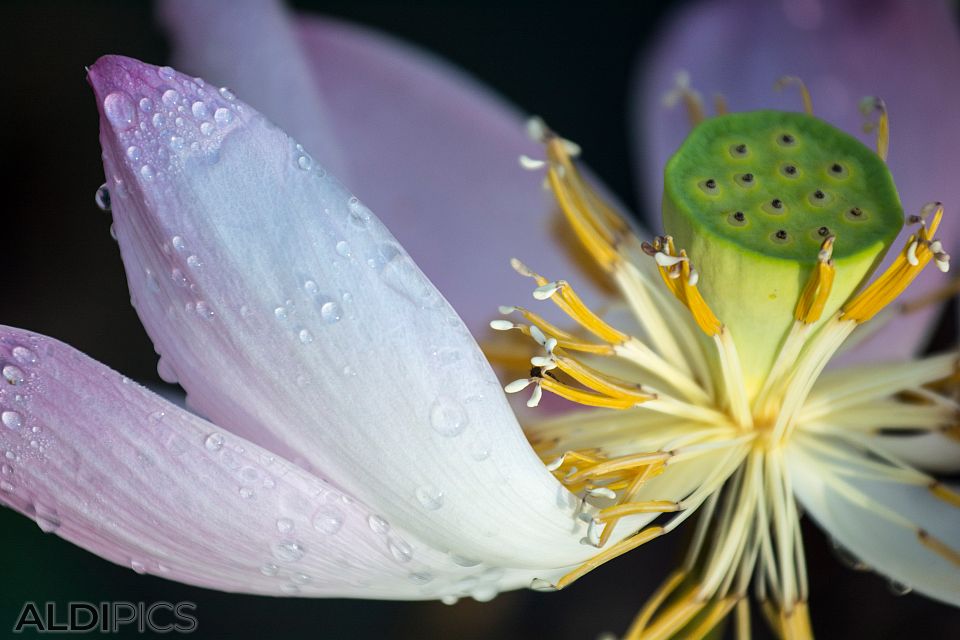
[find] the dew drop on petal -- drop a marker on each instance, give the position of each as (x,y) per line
(430,497)
(378,524)
(24,355)
(284,525)
(420,577)
(343,248)
(119,110)
(226,94)
(269,569)
(102,198)
(331,312)
(147,172)
(206,128)
(359,213)
(166,73)
(305,336)
(246,493)
(289,551)
(170,97)
(138,566)
(223,115)
(400,549)
(328,520)
(13,374)
(214,442)
(199,110)
(448,417)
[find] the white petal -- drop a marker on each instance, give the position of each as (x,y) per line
(934,452)
(286,308)
(858,524)
(116,469)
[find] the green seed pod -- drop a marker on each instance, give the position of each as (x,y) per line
(751,197)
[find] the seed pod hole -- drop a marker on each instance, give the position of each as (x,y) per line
(838,170)
(786,140)
(745,180)
(780,236)
(790,170)
(737,219)
(709,187)
(775,207)
(739,150)
(855,214)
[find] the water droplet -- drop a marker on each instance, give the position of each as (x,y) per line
(206,128)
(304,162)
(400,549)
(343,248)
(430,497)
(214,442)
(157,120)
(484,593)
(166,372)
(305,336)
(847,558)
(359,214)
(246,493)
(138,566)
(178,243)
(290,589)
(449,600)
(24,356)
(113,232)
(147,172)
(199,110)
(349,371)
(119,110)
(223,115)
(176,143)
(13,374)
(300,578)
(328,520)
(284,525)
(269,569)
(227,94)
(331,312)
(311,287)
(898,588)
(6,469)
(462,561)
(289,551)
(47,519)
(134,153)
(170,97)
(448,417)
(280,313)
(378,524)
(102,198)
(420,577)
(166,73)
(177,276)
(204,310)
(479,452)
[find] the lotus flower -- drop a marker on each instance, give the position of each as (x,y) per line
(355,441)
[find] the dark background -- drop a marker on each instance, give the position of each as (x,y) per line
(63,277)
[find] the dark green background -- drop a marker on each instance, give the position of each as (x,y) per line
(568,62)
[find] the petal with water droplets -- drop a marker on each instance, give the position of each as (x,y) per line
(426,145)
(389,394)
(118,470)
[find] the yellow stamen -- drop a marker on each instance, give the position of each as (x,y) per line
(881,126)
(795,623)
(602,383)
(632,462)
(585,397)
(907,266)
(804,92)
(674,618)
(622,547)
(655,602)
(941,491)
(683,285)
(633,508)
(938,547)
(815,293)
(629,494)
(720,104)
(715,613)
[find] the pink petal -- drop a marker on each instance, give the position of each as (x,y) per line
(116,469)
(905,52)
(288,312)
(431,150)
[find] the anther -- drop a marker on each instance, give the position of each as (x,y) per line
(648,248)
(502,325)
(912,254)
(537,129)
(602,492)
(531,164)
(665,260)
(546,291)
